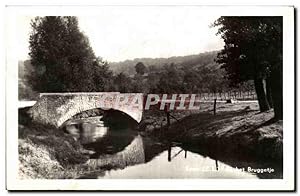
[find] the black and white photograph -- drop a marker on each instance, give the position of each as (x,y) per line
(150,98)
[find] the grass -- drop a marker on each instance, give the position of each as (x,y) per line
(236,128)
(47,152)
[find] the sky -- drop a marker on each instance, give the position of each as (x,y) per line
(120,33)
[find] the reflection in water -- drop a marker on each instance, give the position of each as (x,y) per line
(87,130)
(114,141)
(102,137)
(133,154)
(120,152)
(181,165)
(91,132)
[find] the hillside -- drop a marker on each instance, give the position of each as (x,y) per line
(178,74)
(202,59)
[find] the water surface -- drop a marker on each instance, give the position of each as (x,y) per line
(121,152)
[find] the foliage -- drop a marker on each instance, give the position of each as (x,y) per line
(253,51)
(25,87)
(140,68)
(62,57)
(63,61)
(128,66)
(122,83)
(103,76)
(168,78)
(253,46)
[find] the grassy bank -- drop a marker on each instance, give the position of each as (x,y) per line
(238,129)
(48,153)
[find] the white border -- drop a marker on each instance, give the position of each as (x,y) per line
(189,184)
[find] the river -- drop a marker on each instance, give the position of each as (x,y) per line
(121,152)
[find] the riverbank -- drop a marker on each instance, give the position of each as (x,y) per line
(238,129)
(48,153)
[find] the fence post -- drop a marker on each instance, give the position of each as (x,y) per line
(215,104)
(168,119)
(169,151)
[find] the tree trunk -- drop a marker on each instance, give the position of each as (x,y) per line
(269,92)
(261,95)
(276,90)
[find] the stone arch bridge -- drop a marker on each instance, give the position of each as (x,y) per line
(56,108)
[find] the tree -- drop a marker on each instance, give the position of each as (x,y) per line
(61,56)
(171,80)
(103,79)
(122,83)
(253,51)
(140,68)
(153,78)
(191,80)
(140,84)
(25,90)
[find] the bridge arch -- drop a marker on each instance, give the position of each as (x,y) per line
(57,108)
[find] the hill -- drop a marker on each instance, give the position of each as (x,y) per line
(202,59)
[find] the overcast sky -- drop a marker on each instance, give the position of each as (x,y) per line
(120,33)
